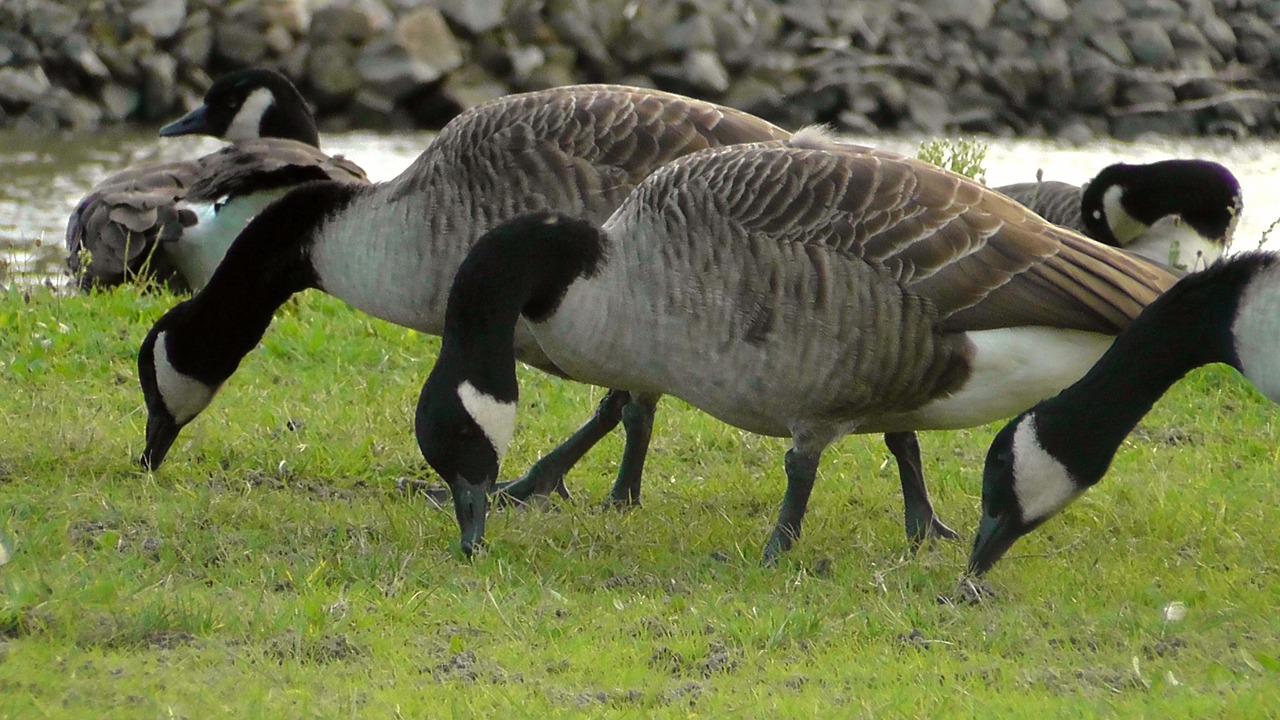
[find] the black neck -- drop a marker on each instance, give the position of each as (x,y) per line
(523,267)
(1188,326)
(266,265)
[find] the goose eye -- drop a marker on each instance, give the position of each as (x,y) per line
(1097,214)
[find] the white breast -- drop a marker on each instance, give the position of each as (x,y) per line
(1257,332)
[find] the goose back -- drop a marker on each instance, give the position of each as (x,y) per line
(578,150)
(1057,202)
(837,281)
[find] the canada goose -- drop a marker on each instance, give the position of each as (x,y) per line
(577,149)
(1179,212)
(1048,456)
(799,288)
(133,216)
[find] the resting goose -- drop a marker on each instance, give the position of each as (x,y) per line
(1049,455)
(391,249)
(1179,212)
(801,289)
(134,216)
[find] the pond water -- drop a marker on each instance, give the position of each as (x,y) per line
(46,175)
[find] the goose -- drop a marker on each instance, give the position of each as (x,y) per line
(577,149)
(146,213)
(1049,455)
(798,288)
(1180,212)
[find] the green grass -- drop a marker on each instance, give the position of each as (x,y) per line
(271,568)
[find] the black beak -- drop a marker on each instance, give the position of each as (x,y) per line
(162,430)
(195,122)
(471,504)
(995,536)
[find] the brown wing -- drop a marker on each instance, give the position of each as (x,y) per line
(578,149)
(116,227)
(981,260)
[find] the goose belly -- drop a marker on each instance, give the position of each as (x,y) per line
(1010,370)
(1175,243)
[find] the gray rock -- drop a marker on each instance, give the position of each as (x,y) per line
(331,73)
(471,85)
(22,86)
(196,44)
(356,21)
(1147,92)
(476,16)
(1075,131)
(1095,79)
(49,22)
(575,22)
(161,19)
(526,60)
(371,109)
(1150,44)
(1054,11)
(1108,41)
(927,108)
(76,112)
(1153,9)
(704,71)
(279,40)
(80,55)
(16,49)
(1220,35)
(1129,127)
(1090,15)
(1000,41)
(1200,88)
(977,14)
(1015,78)
(240,41)
(388,67)
(1255,39)
(809,15)
(119,102)
(159,86)
(292,16)
(695,33)
(426,36)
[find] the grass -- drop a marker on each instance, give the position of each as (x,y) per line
(271,568)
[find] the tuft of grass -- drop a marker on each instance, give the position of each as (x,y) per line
(964,156)
(272,568)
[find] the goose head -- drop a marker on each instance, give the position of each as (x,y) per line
(1023,485)
(174,389)
(463,432)
(249,104)
(1179,212)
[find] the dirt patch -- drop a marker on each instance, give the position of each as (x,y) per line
(23,622)
(99,533)
(465,667)
(321,650)
(1167,647)
(969,591)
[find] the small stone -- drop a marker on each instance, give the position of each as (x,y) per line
(1051,10)
(704,71)
(331,73)
(1150,44)
(49,22)
(476,16)
(161,19)
(120,102)
(25,85)
(977,14)
(159,86)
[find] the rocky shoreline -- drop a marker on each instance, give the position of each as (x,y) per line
(1075,70)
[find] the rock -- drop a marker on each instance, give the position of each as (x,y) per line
(695,33)
(809,15)
(331,73)
(387,67)
(1095,79)
(161,19)
(976,14)
(240,40)
(1015,78)
(119,102)
(371,109)
(355,21)
(426,36)
(1153,9)
(1075,132)
(1109,43)
(471,85)
(1147,92)
(278,40)
(159,87)
(16,50)
(1054,11)
(291,16)
(927,108)
(1129,127)
(1150,44)
(23,86)
(703,70)
(49,22)
(84,60)
(475,16)
(196,43)
(1200,88)
(76,112)
(1220,35)
(1090,15)
(573,21)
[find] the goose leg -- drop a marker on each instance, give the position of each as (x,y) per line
(917,509)
(548,473)
(637,420)
(802,469)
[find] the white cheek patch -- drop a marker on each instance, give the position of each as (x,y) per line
(1172,241)
(183,396)
(1042,484)
(1123,225)
(1257,332)
(248,121)
(496,418)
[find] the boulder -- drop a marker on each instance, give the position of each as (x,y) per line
(23,86)
(474,16)
(161,19)
(1150,44)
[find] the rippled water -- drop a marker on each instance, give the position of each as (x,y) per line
(46,175)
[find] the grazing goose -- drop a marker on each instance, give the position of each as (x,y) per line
(135,215)
(1049,455)
(1179,212)
(800,289)
(391,249)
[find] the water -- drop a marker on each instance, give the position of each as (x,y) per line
(46,175)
